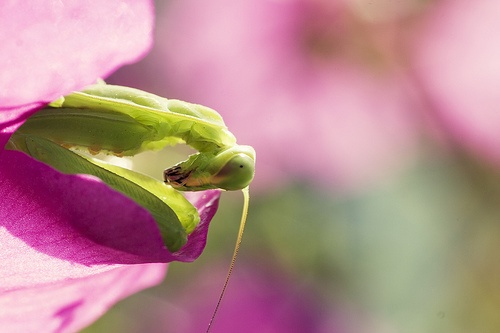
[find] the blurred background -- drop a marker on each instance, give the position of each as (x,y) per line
(376,202)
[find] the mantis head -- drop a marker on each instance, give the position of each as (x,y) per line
(227,168)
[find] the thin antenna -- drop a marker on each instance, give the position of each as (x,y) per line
(246,200)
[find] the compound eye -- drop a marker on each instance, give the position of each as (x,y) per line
(236,174)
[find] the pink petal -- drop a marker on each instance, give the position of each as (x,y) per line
(50,48)
(12,118)
(64,240)
(206,203)
(78,220)
(75,218)
(68,304)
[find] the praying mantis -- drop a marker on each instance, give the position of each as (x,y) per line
(125,121)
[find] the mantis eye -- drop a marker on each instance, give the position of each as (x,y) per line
(229,169)
(236,174)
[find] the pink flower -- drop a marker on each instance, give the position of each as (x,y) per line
(70,245)
(310,84)
(457,60)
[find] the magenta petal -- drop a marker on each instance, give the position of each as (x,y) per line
(50,48)
(206,203)
(75,218)
(56,275)
(80,220)
(63,238)
(68,304)
(12,118)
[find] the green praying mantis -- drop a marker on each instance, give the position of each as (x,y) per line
(125,121)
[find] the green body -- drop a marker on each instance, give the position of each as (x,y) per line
(127,121)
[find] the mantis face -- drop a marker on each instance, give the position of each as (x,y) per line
(228,169)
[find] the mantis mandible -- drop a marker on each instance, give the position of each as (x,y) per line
(126,121)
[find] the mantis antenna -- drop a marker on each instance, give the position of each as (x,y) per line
(246,200)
